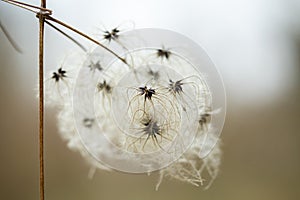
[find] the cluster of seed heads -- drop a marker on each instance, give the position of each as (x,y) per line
(155,109)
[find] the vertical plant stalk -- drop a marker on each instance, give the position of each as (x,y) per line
(41,101)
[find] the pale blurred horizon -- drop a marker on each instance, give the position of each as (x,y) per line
(256,48)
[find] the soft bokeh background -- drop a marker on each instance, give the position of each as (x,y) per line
(254,43)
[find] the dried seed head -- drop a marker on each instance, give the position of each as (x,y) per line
(151,127)
(103,86)
(146,92)
(163,53)
(111,35)
(153,74)
(59,75)
(175,87)
(88,122)
(95,66)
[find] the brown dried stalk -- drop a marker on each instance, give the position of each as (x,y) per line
(41,102)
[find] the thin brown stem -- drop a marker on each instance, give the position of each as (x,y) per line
(86,36)
(41,102)
(66,35)
(46,15)
(28,6)
(10,39)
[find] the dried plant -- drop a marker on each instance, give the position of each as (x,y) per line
(138,104)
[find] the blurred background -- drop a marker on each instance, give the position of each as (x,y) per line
(254,43)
